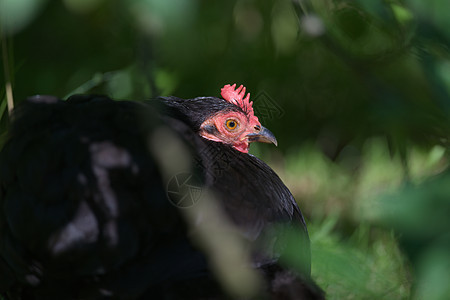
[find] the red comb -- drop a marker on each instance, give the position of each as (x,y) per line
(236,97)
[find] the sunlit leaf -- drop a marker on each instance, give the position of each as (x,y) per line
(402,14)
(157,16)
(17,14)
(82,6)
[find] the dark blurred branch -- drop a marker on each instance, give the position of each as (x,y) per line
(303,9)
(378,89)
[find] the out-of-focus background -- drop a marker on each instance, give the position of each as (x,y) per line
(357,93)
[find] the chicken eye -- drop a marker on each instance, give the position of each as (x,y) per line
(231,124)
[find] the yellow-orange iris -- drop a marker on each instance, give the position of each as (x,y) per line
(231,124)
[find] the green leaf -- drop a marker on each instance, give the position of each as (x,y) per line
(17,14)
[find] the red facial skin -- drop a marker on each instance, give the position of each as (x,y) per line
(236,137)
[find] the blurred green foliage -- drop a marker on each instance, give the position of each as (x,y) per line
(366,220)
(361,92)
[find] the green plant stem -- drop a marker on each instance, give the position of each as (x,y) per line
(6,70)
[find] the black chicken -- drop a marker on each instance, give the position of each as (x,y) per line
(84,211)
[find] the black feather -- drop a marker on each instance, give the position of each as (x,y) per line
(251,193)
(83,207)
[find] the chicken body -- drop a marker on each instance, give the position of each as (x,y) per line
(84,209)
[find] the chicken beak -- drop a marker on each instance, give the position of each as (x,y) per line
(263,135)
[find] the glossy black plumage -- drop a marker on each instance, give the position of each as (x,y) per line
(249,190)
(84,213)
